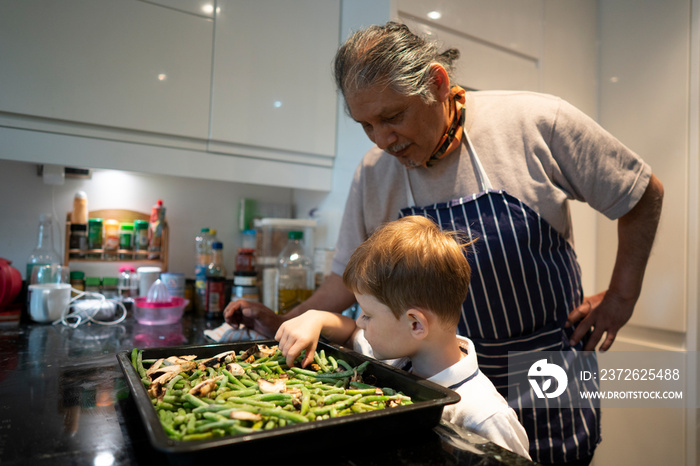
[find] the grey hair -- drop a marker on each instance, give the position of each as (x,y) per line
(391,56)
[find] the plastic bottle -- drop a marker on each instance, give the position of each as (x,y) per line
(295,274)
(44,253)
(202,260)
(216,283)
(155,230)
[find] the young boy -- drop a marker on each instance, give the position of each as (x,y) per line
(410,280)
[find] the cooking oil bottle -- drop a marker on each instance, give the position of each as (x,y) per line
(295,274)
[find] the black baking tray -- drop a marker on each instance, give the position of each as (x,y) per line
(428,399)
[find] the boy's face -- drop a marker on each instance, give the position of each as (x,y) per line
(390,337)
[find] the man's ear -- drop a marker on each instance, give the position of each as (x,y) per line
(440,81)
(420,325)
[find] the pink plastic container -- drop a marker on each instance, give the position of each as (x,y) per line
(159,313)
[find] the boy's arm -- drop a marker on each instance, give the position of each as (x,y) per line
(302,333)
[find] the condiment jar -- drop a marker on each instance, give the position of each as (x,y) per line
(80,209)
(77,282)
(92,284)
(95,238)
(111,241)
(126,241)
(109,287)
(78,242)
(140,239)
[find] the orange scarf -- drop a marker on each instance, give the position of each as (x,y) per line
(453,137)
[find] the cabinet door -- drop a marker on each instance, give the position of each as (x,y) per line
(273,93)
(119,64)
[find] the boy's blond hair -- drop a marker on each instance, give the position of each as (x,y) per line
(411,263)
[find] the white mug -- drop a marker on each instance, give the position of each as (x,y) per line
(147,277)
(48,300)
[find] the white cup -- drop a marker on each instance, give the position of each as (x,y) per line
(48,300)
(147,277)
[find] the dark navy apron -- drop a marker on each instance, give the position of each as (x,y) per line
(525,281)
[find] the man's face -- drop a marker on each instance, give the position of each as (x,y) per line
(390,337)
(405,127)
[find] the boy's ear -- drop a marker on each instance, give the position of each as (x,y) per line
(420,325)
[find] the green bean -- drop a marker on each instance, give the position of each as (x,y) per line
(319,360)
(134,355)
(334,363)
(305,398)
(338,405)
(326,393)
(345,365)
(194,400)
(139,365)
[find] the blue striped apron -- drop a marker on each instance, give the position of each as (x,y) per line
(525,281)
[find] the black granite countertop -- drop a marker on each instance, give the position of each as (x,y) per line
(64,400)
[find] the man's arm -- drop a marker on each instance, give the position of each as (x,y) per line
(330,296)
(609,310)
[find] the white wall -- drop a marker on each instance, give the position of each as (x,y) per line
(646,101)
(190,205)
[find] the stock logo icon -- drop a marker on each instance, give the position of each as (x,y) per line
(544,373)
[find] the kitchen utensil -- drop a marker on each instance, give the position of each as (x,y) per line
(159,313)
(49,292)
(147,276)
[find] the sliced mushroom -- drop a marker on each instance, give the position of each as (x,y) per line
(206,386)
(235,369)
(245,416)
(217,360)
(266,386)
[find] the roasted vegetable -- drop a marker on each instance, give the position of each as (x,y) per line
(231,394)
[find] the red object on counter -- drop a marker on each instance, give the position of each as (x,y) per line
(10,283)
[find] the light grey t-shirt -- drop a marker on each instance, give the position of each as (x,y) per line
(536,147)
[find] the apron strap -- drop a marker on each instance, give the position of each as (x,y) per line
(482,178)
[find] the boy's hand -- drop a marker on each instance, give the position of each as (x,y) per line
(298,334)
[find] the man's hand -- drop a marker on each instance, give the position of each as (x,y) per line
(603,314)
(254,316)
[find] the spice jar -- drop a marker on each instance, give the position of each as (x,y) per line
(111,240)
(92,284)
(140,239)
(95,238)
(126,241)
(78,242)
(109,287)
(77,282)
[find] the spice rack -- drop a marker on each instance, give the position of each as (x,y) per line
(120,215)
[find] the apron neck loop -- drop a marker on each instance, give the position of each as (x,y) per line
(453,136)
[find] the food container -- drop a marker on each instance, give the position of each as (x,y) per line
(369,428)
(155,313)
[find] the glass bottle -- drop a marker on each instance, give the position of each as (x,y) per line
(44,253)
(202,261)
(128,286)
(216,283)
(295,274)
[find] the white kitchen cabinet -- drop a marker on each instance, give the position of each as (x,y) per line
(499,41)
(273,94)
(104,65)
